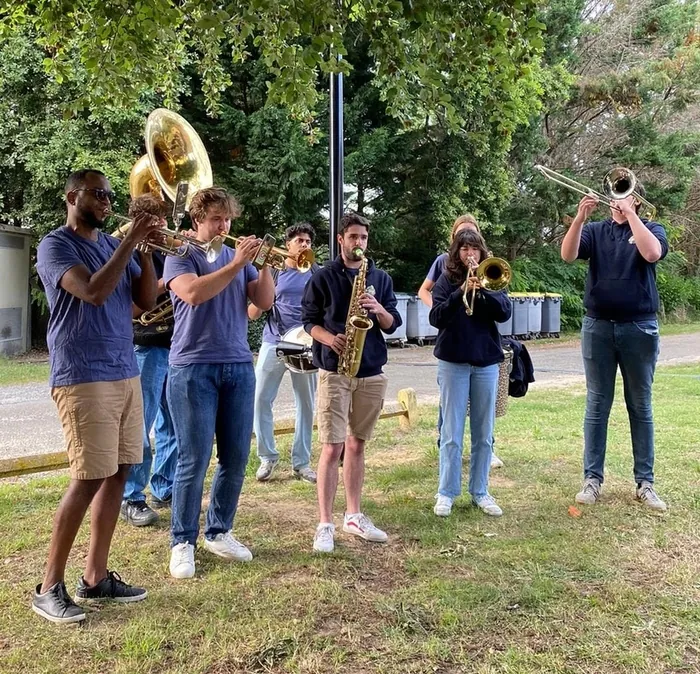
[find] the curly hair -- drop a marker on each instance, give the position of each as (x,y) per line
(300,228)
(213,197)
(148,203)
(455,269)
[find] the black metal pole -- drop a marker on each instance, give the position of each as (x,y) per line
(336,152)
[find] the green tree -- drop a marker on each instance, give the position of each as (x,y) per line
(440,60)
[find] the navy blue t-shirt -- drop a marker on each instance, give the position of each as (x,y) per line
(215,331)
(289,290)
(86,343)
(621,284)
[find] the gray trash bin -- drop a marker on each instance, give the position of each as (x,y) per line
(505,329)
(521,314)
(418,326)
(534,320)
(551,314)
(399,336)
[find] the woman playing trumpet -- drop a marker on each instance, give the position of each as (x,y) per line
(468,350)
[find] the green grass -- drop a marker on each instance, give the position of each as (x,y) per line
(19,372)
(615,590)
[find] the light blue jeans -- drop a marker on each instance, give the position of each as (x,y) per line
(153,365)
(207,401)
(458,384)
(268,377)
(634,346)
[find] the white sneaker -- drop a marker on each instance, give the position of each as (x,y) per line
(443,505)
(590,492)
(487,504)
(647,495)
(361,525)
(496,462)
(226,546)
(265,470)
(182,561)
(323,539)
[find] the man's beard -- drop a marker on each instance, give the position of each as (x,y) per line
(350,254)
(91,220)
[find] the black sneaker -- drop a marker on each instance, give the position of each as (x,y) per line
(111,587)
(161,504)
(56,605)
(138,513)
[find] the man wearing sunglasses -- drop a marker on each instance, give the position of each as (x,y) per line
(91,280)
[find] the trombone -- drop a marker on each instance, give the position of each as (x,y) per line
(493,274)
(267,254)
(618,183)
(161,312)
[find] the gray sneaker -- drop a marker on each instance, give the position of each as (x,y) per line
(647,495)
(138,513)
(267,467)
(590,492)
(305,474)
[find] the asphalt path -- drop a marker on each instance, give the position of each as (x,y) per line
(29,423)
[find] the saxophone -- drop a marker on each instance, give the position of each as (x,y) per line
(357,324)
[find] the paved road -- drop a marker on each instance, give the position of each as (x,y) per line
(29,425)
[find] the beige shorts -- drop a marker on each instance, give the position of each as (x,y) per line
(102,425)
(348,406)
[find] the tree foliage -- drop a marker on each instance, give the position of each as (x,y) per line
(446,61)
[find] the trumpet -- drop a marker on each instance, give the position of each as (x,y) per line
(267,254)
(493,274)
(166,241)
(618,183)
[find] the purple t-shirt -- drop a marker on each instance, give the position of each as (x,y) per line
(437,268)
(86,343)
(286,313)
(216,331)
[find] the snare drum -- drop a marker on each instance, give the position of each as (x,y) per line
(302,363)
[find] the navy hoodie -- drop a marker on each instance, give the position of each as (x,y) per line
(468,339)
(326,302)
(621,284)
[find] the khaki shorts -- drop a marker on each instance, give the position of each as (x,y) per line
(102,425)
(348,406)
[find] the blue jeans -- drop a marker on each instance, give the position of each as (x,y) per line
(209,401)
(268,377)
(153,365)
(458,384)
(634,346)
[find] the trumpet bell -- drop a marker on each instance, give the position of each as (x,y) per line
(305,260)
(176,154)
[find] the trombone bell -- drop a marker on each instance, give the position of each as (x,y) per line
(494,274)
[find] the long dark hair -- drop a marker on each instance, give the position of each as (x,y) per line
(454,268)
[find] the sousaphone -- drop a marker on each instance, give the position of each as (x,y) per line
(175,157)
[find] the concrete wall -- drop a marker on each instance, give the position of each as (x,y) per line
(15,334)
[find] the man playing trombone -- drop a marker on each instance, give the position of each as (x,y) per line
(620,328)
(211,381)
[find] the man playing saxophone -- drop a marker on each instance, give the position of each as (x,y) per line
(349,404)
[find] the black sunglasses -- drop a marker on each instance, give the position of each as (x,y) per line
(100,195)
